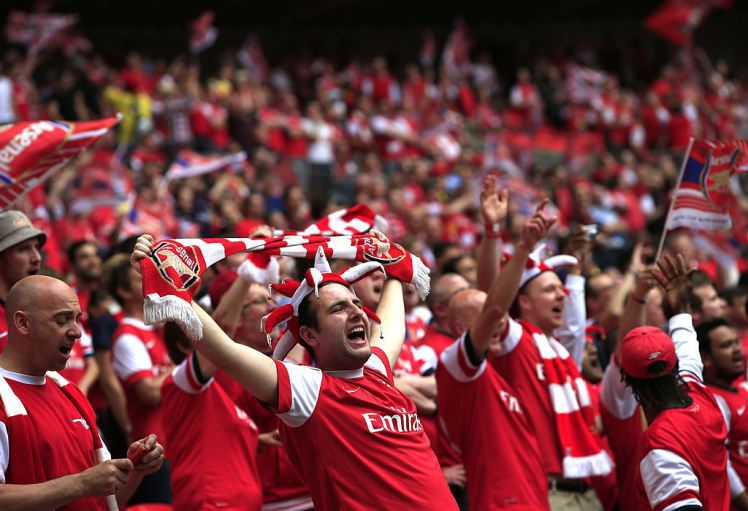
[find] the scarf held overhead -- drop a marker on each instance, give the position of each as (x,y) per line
(171,275)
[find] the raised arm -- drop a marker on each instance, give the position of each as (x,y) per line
(253,370)
(673,277)
(390,335)
(635,312)
(505,286)
(493,210)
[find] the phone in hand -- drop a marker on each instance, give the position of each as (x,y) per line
(137,455)
(590,230)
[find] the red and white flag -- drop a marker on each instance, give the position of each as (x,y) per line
(584,84)
(427,55)
(31,152)
(677,19)
(703,196)
(202,32)
(456,53)
(252,58)
(37,30)
(189,164)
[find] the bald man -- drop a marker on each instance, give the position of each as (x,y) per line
(51,455)
(443,289)
(482,415)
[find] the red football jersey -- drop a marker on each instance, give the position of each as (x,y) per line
(683,459)
(521,366)
(282,489)
(139,351)
(212,445)
(485,420)
(64,439)
(734,404)
(357,440)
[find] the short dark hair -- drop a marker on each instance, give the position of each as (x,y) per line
(704,330)
(668,389)
(733,293)
(450,266)
(73,248)
(117,276)
(697,279)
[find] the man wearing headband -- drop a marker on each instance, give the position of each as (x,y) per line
(353,436)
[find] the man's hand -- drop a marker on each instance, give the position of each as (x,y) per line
(673,278)
(455,475)
(645,282)
(579,246)
(493,205)
(105,478)
(269,439)
(536,228)
(142,249)
(263,231)
(154,457)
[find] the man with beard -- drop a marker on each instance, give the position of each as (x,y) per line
(722,354)
(85,263)
(20,256)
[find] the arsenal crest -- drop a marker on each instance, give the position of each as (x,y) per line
(379,249)
(177,265)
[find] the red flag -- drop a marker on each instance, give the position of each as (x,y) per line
(677,19)
(31,152)
(202,32)
(37,30)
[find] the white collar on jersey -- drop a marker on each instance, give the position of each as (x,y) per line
(347,374)
(23,378)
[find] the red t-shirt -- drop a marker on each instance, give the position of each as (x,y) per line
(357,440)
(212,445)
(521,366)
(484,419)
(281,485)
(682,455)
(734,404)
(138,352)
(64,439)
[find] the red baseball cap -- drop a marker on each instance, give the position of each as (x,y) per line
(220,284)
(642,347)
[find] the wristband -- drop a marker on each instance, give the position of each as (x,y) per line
(492,231)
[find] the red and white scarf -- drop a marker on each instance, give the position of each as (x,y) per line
(171,275)
(582,452)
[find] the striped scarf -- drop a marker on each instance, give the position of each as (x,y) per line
(582,452)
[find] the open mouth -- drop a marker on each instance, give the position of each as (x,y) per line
(558,309)
(357,335)
(65,350)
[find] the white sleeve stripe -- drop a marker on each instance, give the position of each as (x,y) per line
(4,451)
(182,381)
(682,503)
(305,383)
(615,396)
(129,356)
(724,408)
(512,337)
(450,357)
(665,475)
(376,363)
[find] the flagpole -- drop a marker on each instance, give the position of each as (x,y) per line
(672,199)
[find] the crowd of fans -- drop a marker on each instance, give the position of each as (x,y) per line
(456,158)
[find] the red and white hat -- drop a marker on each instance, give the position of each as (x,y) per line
(314,278)
(535,265)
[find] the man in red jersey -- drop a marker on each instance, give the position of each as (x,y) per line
(682,456)
(724,362)
(544,372)
(212,442)
(20,256)
(353,436)
(141,361)
(483,416)
(51,456)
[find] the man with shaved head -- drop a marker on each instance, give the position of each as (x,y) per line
(481,413)
(438,336)
(51,455)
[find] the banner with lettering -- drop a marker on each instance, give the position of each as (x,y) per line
(31,152)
